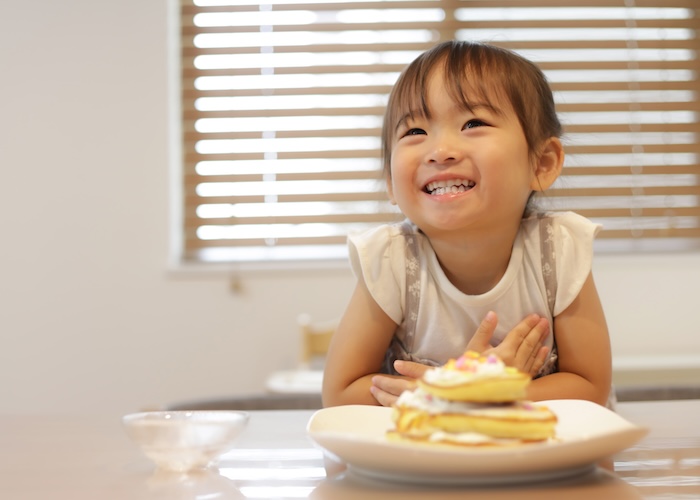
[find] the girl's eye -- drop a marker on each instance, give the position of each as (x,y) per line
(414,131)
(474,123)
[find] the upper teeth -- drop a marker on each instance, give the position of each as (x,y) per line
(451,186)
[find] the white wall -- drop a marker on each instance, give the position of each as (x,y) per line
(90,317)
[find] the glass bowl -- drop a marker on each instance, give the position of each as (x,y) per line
(185,440)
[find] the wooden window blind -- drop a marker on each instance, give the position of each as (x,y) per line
(282,105)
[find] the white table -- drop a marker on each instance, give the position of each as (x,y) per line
(76,458)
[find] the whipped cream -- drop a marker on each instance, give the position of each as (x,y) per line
(469,367)
(469,438)
(421,400)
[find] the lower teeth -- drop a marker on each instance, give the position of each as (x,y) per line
(451,190)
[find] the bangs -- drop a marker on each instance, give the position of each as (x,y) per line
(469,86)
(472,83)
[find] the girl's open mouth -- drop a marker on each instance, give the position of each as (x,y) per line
(449,187)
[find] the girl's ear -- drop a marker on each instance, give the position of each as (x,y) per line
(549,165)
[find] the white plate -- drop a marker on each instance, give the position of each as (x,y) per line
(586,433)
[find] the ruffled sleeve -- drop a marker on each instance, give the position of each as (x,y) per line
(573,244)
(378,257)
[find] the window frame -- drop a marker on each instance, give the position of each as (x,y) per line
(177,259)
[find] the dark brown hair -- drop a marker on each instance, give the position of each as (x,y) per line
(475,73)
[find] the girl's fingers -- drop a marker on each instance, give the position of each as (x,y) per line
(382,397)
(539,360)
(389,383)
(522,347)
(522,333)
(481,341)
(529,347)
(410,369)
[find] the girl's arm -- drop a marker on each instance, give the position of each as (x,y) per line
(356,351)
(583,345)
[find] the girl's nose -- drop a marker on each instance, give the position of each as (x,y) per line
(443,153)
(444,150)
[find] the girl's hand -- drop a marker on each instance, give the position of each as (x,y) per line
(523,346)
(522,349)
(386,389)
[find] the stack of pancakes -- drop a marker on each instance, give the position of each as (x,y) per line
(473,400)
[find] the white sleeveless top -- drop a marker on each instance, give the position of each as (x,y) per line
(551,259)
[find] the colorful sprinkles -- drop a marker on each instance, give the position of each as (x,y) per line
(470,361)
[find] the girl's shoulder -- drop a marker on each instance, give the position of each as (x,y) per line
(384,235)
(558,225)
(563,243)
(380,257)
(373,247)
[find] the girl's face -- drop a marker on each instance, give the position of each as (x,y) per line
(458,169)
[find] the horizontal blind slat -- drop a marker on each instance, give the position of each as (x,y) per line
(190,71)
(292,198)
(602,86)
(192,137)
(453,25)
(624,191)
(188,10)
(307,219)
(192,115)
(191,52)
(192,179)
(380,217)
(650,233)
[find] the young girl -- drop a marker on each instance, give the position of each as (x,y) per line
(470,134)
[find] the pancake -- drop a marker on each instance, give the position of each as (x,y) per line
(418,415)
(477,379)
(471,401)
